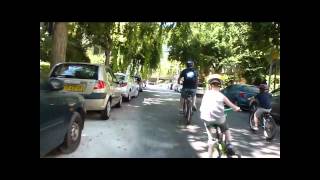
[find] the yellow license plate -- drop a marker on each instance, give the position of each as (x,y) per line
(74,88)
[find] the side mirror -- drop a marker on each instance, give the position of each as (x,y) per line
(56,84)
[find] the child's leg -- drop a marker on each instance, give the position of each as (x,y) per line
(257,114)
(228,136)
(210,140)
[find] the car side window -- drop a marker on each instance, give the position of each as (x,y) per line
(111,77)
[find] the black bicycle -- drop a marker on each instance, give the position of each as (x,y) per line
(266,122)
(187,105)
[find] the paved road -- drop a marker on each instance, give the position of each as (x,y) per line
(150,127)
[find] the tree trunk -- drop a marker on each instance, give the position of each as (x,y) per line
(107,54)
(107,51)
(59,45)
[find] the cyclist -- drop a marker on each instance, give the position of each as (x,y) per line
(190,82)
(263,100)
(212,112)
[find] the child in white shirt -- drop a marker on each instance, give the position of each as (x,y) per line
(212,112)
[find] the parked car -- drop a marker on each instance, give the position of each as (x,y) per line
(95,82)
(139,82)
(177,87)
(201,89)
(62,117)
(275,112)
(239,94)
(129,88)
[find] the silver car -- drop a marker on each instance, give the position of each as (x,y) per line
(128,86)
(95,82)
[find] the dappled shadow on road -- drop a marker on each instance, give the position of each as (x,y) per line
(252,144)
(159,135)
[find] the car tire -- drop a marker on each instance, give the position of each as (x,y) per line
(129,97)
(119,103)
(73,136)
(105,114)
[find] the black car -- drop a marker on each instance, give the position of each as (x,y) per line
(62,116)
(275,112)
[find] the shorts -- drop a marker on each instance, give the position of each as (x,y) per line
(260,111)
(210,126)
(185,91)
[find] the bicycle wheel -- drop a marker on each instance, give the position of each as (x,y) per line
(189,111)
(270,128)
(184,108)
(251,121)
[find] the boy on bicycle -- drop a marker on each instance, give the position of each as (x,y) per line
(212,112)
(263,100)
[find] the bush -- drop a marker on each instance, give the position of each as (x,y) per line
(44,68)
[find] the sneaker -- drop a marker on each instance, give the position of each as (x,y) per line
(230,149)
(194,108)
(255,128)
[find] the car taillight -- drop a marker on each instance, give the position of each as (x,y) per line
(100,85)
(242,94)
(123,84)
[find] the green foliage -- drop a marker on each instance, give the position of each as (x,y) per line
(44,68)
(240,48)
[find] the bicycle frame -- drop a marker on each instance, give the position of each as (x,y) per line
(187,107)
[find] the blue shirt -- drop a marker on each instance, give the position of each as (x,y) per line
(264,100)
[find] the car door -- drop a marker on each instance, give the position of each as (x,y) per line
(53,112)
(276,104)
(114,87)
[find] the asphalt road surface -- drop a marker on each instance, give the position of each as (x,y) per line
(150,126)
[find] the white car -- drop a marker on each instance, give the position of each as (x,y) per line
(129,88)
(201,89)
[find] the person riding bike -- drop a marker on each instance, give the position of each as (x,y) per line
(190,83)
(212,111)
(263,100)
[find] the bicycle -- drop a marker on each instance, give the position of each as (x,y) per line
(266,122)
(220,144)
(187,105)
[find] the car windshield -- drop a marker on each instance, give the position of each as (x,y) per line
(120,77)
(79,71)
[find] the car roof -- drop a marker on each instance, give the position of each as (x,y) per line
(121,74)
(248,85)
(84,63)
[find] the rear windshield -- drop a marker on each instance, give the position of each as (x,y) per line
(251,89)
(78,71)
(120,77)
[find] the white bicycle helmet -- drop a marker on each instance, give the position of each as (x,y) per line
(215,78)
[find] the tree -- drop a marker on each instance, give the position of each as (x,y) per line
(100,34)
(59,43)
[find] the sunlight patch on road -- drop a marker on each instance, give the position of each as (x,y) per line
(133,105)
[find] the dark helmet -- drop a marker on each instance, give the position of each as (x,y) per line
(263,87)
(190,63)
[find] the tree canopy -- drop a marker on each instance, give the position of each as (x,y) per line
(240,49)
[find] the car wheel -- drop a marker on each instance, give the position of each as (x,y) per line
(73,136)
(129,97)
(105,114)
(120,102)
